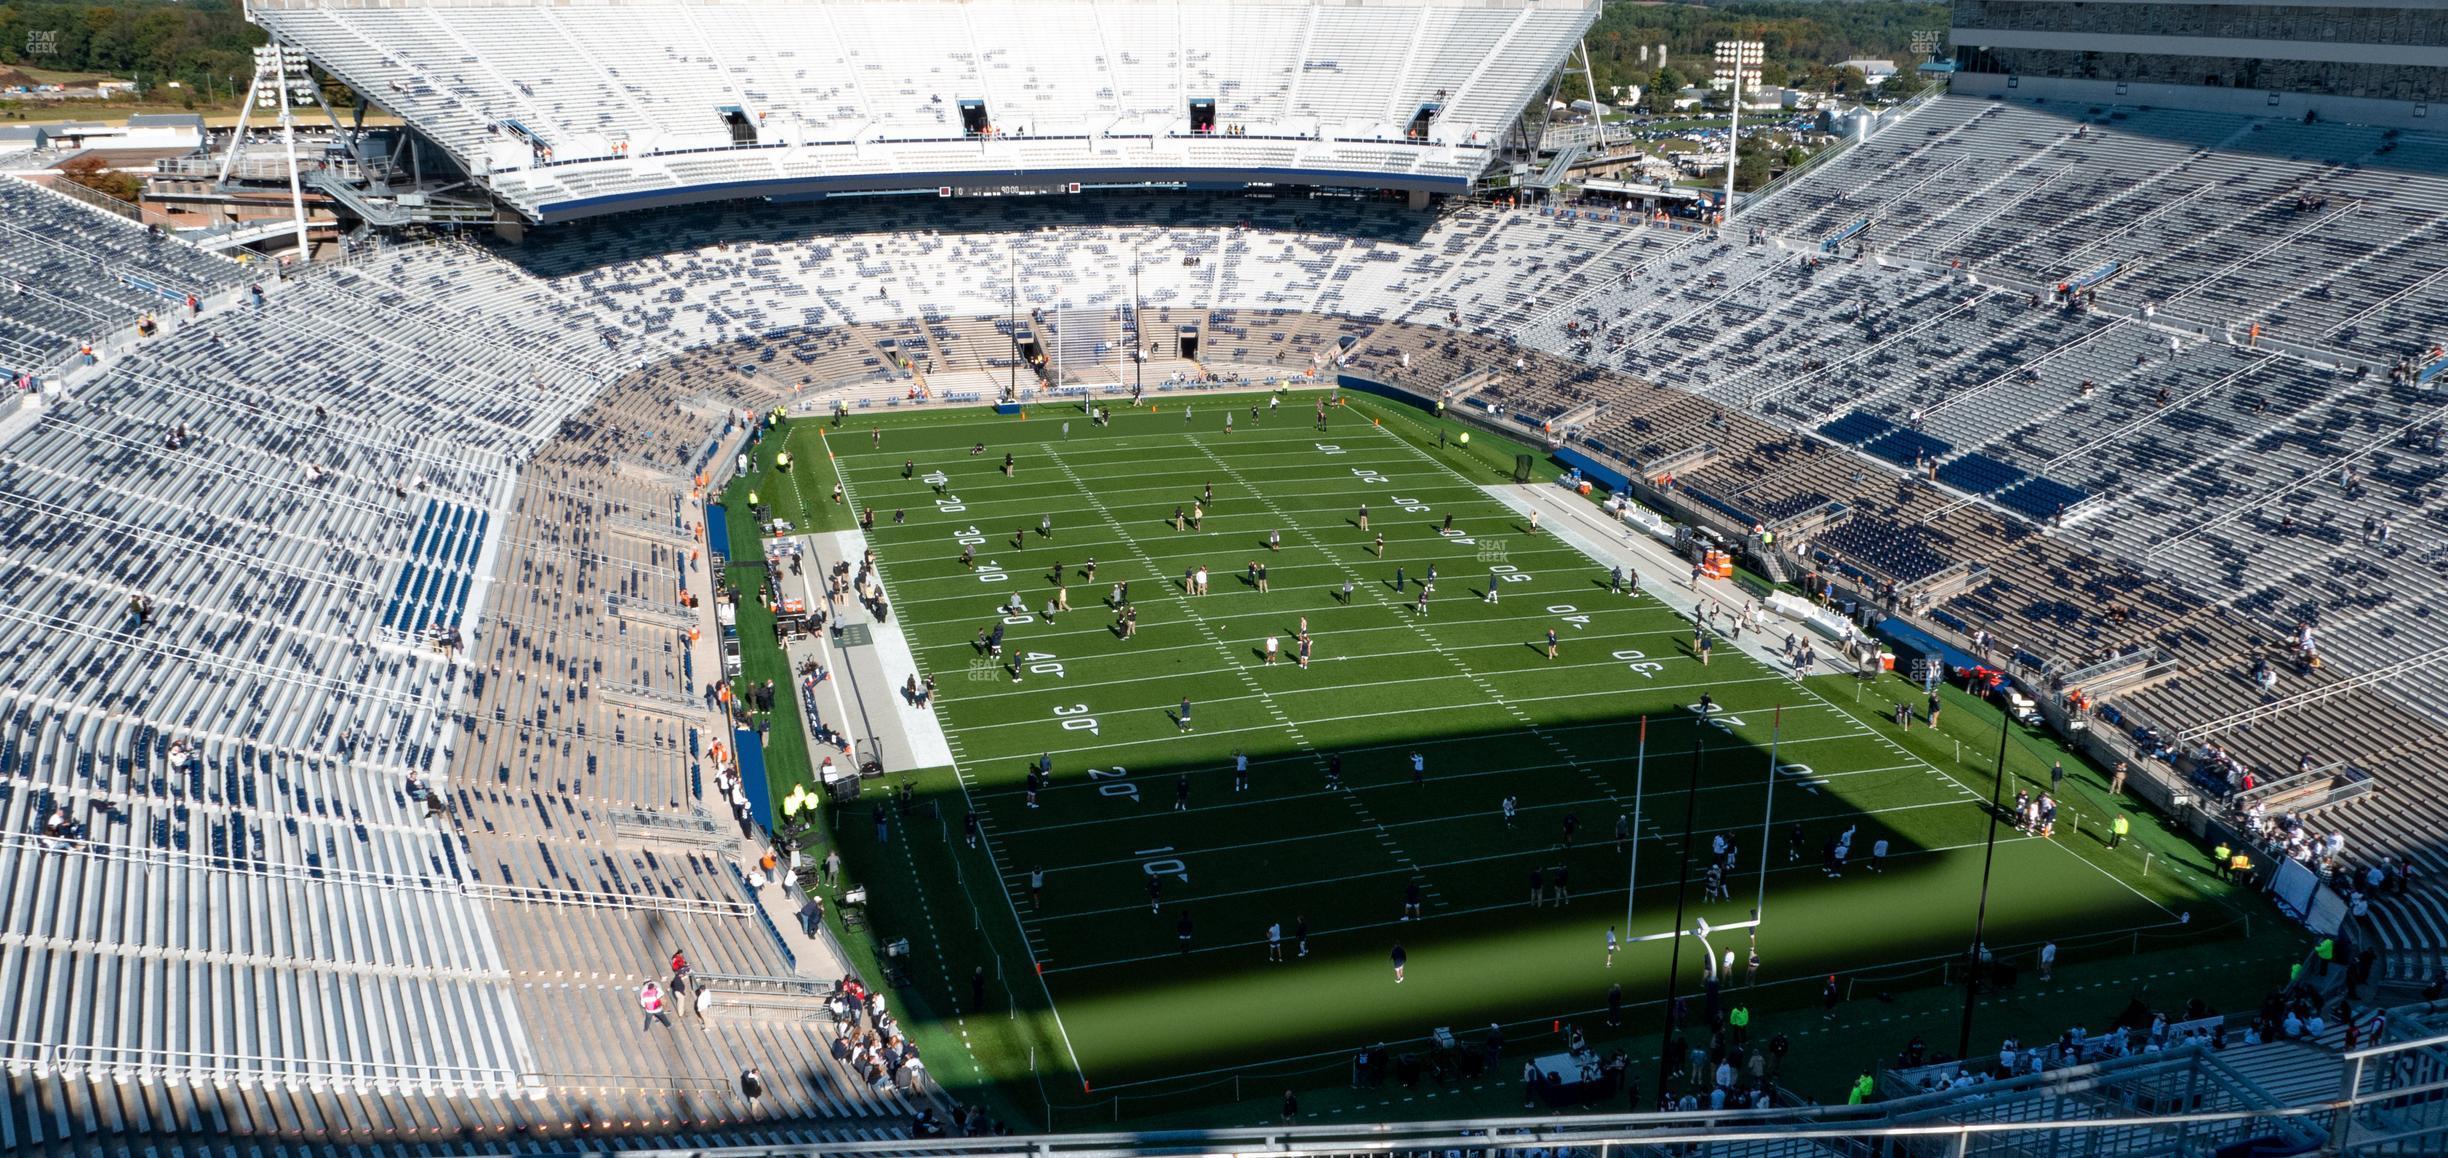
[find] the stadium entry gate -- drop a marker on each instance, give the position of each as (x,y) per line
(743,130)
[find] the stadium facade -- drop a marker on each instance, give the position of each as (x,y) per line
(2383,62)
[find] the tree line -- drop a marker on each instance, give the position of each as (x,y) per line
(195,42)
(1803,39)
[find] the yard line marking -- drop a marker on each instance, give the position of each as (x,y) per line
(1230,658)
(1381,831)
(1377,748)
(1358,807)
(1396,553)
(961,777)
(1606,891)
(1496,698)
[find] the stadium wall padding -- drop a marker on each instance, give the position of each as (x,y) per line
(1593,469)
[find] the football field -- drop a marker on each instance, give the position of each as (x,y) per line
(1436,719)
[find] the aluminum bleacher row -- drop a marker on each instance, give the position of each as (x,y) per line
(675,99)
(253,896)
(258,927)
(2200,475)
(764,275)
(66,278)
(2186,461)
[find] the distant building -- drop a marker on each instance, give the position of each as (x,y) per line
(2375,61)
(78,134)
(1770,98)
(163,131)
(1698,164)
(1875,71)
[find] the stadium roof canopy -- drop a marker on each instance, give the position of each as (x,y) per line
(575,108)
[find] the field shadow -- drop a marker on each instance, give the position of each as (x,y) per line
(1490,948)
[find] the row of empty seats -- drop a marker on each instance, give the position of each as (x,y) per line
(71,274)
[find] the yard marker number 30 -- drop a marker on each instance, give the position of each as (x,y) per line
(1076,719)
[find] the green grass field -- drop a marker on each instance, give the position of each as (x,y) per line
(1095,992)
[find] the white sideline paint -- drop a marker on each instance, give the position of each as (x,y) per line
(919,728)
(1663,575)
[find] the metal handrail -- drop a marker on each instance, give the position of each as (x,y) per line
(158,1060)
(1750,202)
(764,982)
(655,1082)
(162,858)
(1903,1120)
(2316,695)
(593,900)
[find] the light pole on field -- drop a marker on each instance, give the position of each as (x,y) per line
(1640,780)
(1138,326)
(1674,958)
(1975,968)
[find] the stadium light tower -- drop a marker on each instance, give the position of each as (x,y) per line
(1974,967)
(1737,61)
(1138,357)
(1011,308)
(281,85)
(1674,956)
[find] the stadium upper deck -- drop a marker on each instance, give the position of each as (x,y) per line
(570,110)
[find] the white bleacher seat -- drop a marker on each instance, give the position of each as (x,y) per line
(626,83)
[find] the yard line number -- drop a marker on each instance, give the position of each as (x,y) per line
(1114,782)
(1641,663)
(1076,719)
(972,537)
(949,504)
(1169,866)
(1719,718)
